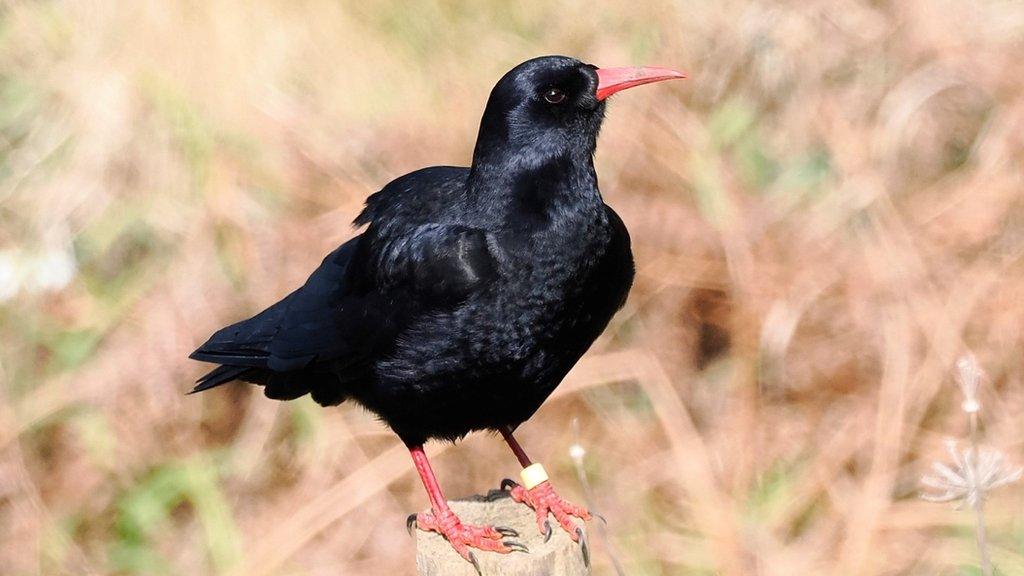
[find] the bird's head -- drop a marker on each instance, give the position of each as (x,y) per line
(552,106)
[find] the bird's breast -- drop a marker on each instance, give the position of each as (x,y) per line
(543,276)
(525,330)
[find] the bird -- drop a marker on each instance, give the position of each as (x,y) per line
(468,296)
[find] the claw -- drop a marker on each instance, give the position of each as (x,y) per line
(476,566)
(599,517)
(584,547)
(410,523)
(544,501)
(493,495)
(507,484)
(516,546)
(462,537)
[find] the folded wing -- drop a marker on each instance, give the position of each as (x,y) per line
(326,335)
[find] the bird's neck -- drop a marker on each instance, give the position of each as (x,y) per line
(541,187)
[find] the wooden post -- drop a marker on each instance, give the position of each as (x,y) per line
(559,556)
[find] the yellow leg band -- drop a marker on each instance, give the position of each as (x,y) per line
(533,475)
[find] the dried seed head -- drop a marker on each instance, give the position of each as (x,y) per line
(970,477)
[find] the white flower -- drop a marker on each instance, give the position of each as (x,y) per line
(969,376)
(970,478)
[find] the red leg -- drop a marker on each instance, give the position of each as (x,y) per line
(442,520)
(543,498)
(524,460)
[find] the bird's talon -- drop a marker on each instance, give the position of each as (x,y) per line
(584,547)
(495,494)
(410,523)
(462,537)
(507,484)
(544,500)
(516,546)
(476,566)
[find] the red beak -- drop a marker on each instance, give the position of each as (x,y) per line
(612,80)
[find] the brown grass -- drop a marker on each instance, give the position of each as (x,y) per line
(825,216)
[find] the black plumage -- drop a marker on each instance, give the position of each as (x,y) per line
(472,291)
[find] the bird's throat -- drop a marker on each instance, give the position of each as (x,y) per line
(540,189)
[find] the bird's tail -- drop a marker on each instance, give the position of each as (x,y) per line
(219,375)
(325,388)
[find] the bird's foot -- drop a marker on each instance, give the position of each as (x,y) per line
(462,537)
(543,499)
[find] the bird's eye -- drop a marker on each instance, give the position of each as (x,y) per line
(554,96)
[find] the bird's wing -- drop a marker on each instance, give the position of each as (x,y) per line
(416,244)
(318,320)
(433,264)
(618,260)
(356,302)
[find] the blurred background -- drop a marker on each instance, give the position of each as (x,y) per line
(825,216)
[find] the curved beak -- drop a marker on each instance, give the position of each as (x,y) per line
(612,80)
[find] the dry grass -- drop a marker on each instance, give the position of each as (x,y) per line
(825,217)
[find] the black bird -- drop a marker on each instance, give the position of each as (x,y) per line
(471,292)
